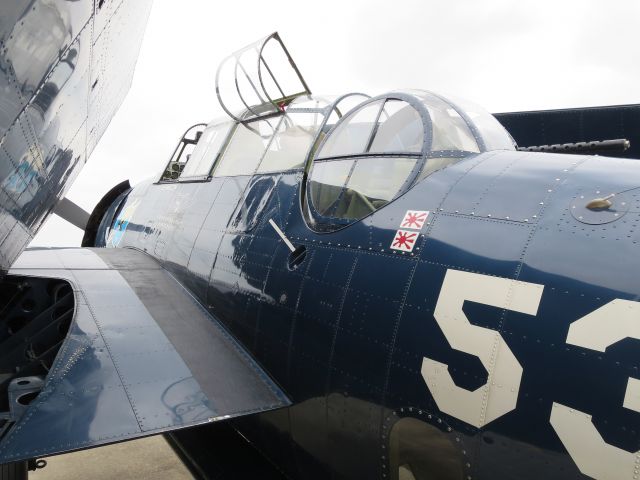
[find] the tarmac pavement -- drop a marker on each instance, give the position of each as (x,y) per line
(146,458)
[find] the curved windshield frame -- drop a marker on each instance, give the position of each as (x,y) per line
(358,131)
(367,142)
(182,153)
(207,151)
(430,129)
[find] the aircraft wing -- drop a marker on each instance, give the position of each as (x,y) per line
(141,357)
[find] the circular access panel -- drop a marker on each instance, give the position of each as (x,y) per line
(599,216)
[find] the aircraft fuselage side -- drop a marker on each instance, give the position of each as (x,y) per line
(504,345)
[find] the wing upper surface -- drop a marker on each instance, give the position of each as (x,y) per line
(141,357)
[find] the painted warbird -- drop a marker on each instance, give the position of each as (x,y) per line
(351,287)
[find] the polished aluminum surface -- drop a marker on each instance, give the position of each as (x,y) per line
(65,68)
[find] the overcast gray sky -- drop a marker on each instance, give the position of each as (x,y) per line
(505,55)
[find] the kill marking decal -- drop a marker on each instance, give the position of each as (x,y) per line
(404,240)
(414,219)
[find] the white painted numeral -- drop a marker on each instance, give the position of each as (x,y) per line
(499,395)
(594,457)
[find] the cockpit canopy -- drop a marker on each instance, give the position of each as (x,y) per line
(357,158)
(388,143)
(259,80)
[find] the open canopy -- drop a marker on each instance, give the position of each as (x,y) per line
(259,80)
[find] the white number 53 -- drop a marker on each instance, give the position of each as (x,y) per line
(615,321)
(499,395)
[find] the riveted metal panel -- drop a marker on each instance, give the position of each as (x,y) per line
(61,82)
(134,363)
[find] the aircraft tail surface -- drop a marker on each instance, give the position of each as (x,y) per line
(549,127)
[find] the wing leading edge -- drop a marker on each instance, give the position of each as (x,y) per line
(141,357)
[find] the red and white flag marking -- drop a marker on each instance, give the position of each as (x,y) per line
(404,240)
(414,219)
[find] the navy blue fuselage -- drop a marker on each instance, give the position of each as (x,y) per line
(345,332)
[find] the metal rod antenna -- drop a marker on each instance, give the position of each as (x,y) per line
(282,235)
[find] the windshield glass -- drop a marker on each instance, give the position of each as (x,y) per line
(246,148)
(292,142)
(400,129)
(495,136)
(204,155)
(450,130)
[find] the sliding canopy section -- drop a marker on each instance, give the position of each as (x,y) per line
(259,80)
